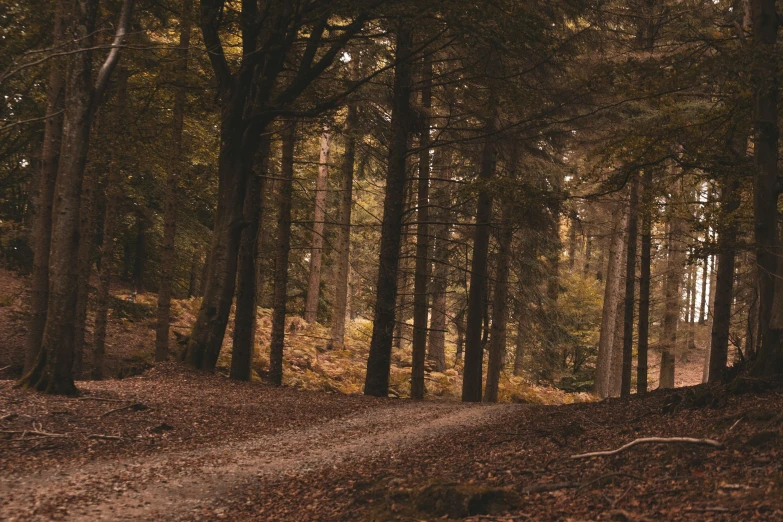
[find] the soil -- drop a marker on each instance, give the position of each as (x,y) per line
(204,448)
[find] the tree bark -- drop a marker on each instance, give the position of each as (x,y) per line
(44,196)
(342,263)
(176,168)
(477,294)
(765,194)
(724,281)
(497,346)
(630,281)
(438,318)
(53,369)
(319,217)
(644,285)
(603,371)
(245,312)
(110,219)
(379,361)
(84,267)
(422,270)
(281,262)
(519,343)
(675,268)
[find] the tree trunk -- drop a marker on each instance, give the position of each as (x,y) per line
(44,195)
(588,255)
(675,268)
(644,285)
(630,281)
(281,262)
(53,369)
(140,258)
(497,347)
(603,372)
(379,360)
(438,327)
(724,281)
(765,194)
(176,168)
(110,219)
(477,294)
(703,297)
(235,161)
(245,312)
(317,248)
(84,267)
(519,343)
(422,270)
(342,263)
(573,218)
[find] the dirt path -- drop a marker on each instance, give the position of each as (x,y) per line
(170,485)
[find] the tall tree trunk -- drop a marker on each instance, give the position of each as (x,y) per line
(84,267)
(724,281)
(437,342)
(53,369)
(234,164)
(140,258)
(675,267)
(317,248)
(703,296)
(379,361)
(172,181)
(616,364)
(277,342)
(477,294)
(630,281)
(519,343)
(644,285)
(422,270)
(44,194)
(342,263)
(609,315)
(765,193)
(573,218)
(245,313)
(497,347)
(588,255)
(110,219)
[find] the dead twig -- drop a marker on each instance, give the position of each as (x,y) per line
(651,440)
(5,368)
(544,488)
(38,433)
(136,406)
(104,399)
(10,416)
(104,437)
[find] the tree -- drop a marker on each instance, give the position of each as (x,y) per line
(53,369)
(379,360)
(317,244)
(172,188)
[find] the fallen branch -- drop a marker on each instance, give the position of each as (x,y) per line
(5,368)
(651,440)
(104,437)
(10,416)
(544,488)
(104,399)
(136,406)
(35,432)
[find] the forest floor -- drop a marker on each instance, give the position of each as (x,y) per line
(175,445)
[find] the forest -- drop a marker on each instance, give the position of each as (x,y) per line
(277,260)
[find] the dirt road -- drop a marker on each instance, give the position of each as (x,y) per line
(173,485)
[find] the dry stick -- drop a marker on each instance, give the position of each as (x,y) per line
(136,405)
(650,440)
(104,399)
(5,368)
(35,432)
(544,488)
(104,437)
(8,417)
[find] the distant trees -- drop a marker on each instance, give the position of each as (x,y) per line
(498,167)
